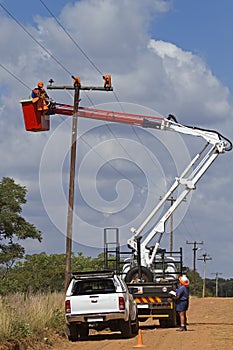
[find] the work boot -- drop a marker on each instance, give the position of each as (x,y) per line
(182,329)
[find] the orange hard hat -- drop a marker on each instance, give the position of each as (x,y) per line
(40,84)
(184,281)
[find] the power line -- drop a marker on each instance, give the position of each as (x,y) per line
(38,43)
(81,137)
(61,65)
(112,166)
(115,95)
(14,76)
(71,38)
(95,66)
(34,39)
(79,48)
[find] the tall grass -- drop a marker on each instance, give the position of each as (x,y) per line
(32,314)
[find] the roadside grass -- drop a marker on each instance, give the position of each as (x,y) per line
(31,315)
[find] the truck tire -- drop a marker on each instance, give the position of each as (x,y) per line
(163,323)
(72,331)
(83,331)
(172,321)
(132,275)
(169,322)
(126,328)
(135,326)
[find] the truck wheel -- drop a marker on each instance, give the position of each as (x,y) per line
(126,328)
(135,326)
(163,323)
(172,321)
(132,275)
(168,322)
(83,332)
(72,332)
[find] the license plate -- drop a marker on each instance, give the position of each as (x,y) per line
(95,319)
(144,306)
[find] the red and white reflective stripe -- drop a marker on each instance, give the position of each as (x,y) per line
(142,300)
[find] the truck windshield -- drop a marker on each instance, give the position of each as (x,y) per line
(93,286)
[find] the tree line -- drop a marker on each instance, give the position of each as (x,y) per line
(45,273)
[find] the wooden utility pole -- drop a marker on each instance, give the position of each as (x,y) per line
(71,183)
(204,259)
(76,87)
(195,248)
(216,282)
(171,200)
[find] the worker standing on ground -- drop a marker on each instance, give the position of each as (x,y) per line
(182,301)
(40,96)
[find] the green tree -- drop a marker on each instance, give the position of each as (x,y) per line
(45,273)
(13,227)
(199,282)
(36,273)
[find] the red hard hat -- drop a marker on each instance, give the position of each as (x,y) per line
(40,84)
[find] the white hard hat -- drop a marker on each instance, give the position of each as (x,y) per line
(184,280)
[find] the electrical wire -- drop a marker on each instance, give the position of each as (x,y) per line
(61,65)
(71,38)
(14,76)
(112,166)
(37,42)
(34,39)
(81,137)
(99,71)
(65,69)
(79,47)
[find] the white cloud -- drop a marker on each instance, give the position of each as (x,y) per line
(197,93)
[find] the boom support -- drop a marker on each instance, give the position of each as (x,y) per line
(187,182)
(215,144)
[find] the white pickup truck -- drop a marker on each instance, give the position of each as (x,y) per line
(99,300)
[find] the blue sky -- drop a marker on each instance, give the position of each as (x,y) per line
(203,27)
(170,57)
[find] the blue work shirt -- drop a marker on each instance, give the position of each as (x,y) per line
(183,293)
(182,303)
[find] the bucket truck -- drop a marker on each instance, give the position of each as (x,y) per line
(149,272)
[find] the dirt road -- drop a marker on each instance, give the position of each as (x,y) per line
(210,327)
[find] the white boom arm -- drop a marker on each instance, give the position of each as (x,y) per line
(186,181)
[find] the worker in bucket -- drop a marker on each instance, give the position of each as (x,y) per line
(40,96)
(181,295)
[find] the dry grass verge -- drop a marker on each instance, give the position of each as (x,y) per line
(32,315)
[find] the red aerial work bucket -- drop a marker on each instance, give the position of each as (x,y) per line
(34,120)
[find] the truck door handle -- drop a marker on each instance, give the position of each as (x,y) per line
(93,301)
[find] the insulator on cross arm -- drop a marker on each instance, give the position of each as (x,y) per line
(107,81)
(76,80)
